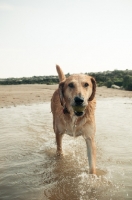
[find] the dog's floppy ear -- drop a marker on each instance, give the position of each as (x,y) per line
(93,89)
(61,93)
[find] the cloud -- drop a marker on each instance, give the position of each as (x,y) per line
(6,7)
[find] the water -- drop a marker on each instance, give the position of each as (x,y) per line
(30,170)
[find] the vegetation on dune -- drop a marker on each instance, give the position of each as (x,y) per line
(49,80)
(121,78)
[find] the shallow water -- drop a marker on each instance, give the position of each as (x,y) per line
(30,170)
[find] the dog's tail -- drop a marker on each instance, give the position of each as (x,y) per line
(60,73)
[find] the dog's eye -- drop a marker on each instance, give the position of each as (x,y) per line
(86,85)
(71,85)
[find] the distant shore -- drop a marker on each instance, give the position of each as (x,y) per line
(13,95)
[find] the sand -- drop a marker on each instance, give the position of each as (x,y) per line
(13,95)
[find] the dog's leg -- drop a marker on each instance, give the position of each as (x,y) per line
(59,143)
(91,152)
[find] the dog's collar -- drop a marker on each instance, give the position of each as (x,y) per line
(65,110)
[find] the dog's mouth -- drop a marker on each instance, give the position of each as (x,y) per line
(78,110)
(78,113)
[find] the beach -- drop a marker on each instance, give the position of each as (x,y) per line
(29,166)
(13,95)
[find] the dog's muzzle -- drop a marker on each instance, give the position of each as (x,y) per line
(78,101)
(78,106)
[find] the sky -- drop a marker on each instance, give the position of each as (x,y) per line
(78,35)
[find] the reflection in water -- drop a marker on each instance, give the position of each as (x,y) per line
(30,169)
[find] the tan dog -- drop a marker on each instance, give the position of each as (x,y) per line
(73,107)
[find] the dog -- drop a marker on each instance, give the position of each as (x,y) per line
(73,107)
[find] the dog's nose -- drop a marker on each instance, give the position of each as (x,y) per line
(79,100)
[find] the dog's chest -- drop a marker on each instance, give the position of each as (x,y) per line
(72,128)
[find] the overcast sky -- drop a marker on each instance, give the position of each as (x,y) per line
(79,35)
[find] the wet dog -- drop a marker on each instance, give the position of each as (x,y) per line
(73,106)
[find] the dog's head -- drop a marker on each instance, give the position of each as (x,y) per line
(76,91)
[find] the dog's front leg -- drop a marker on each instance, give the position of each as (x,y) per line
(91,152)
(59,143)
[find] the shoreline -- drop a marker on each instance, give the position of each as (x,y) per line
(13,95)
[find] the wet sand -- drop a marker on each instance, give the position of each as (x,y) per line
(29,167)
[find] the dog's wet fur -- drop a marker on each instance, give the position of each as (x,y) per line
(73,106)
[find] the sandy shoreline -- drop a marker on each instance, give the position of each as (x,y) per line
(13,95)
(29,166)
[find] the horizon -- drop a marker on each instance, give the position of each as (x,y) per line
(80,36)
(66,74)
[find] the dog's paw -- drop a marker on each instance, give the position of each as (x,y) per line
(59,153)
